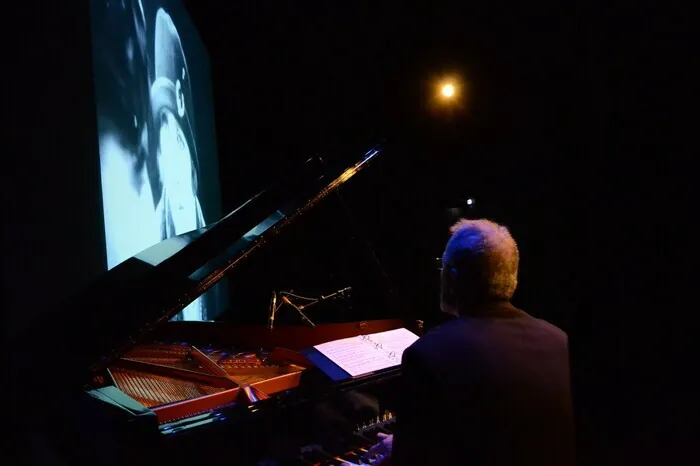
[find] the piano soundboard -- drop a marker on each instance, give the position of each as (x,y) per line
(178,381)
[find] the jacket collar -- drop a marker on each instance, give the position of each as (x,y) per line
(495,309)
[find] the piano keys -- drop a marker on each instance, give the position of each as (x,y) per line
(352,447)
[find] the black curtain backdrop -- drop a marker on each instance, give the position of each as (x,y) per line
(574,115)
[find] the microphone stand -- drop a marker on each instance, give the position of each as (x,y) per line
(340,293)
(298,309)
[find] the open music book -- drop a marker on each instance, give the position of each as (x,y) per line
(368,353)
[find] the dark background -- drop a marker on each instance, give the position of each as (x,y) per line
(572,117)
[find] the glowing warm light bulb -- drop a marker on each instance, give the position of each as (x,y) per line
(448,90)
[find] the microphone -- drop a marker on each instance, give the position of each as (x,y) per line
(339,292)
(273,307)
(301,313)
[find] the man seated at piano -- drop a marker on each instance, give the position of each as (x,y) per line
(491,386)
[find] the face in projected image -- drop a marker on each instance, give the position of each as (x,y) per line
(175,164)
(148,149)
(176,152)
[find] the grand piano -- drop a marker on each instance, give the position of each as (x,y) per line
(127,385)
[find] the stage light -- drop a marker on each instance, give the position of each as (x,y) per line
(448,90)
(448,95)
(470,201)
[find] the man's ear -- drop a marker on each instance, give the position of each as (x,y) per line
(452,277)
(448,288)
(449,294)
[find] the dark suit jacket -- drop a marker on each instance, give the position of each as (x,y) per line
(486,390)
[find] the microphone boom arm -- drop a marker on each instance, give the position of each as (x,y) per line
(285,300)
(298,309)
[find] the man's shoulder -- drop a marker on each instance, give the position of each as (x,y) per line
(475,332)
(550,329)
(546,329)
(443,335)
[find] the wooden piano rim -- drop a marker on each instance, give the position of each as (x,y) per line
(292,337)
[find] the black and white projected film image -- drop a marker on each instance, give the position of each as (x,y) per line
(158,167)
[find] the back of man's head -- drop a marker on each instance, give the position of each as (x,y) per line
(480,263)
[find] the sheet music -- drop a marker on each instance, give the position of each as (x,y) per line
(394,342)
(368,353)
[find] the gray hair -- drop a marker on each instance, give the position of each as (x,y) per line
(484,257)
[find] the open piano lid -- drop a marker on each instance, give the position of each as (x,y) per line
(131,299)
